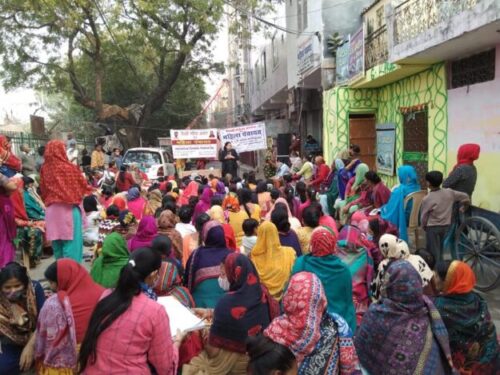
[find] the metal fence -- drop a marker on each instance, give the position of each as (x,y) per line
(34,141)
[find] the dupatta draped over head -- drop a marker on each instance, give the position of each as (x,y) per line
(294,222)
(472,333)
(75,283)
(7,158)
(146,232)
(333,273)
(272,261)
(10,327)
(60,180)
(170,284)
(241,312)
(64,318)
(467,154)
(393,248)
(114,255)
(321,342)
(353,251)
(204,262)
(154,202)
(166,226)
(403,334)
(394,210)
(190,191)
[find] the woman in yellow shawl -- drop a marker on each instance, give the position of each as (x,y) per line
(154,202)
(273,262)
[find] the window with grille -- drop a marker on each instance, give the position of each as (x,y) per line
(473,69)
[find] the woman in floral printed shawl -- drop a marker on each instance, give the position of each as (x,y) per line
(403,333)
(321,341)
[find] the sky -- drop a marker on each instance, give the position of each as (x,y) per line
(20,103)
(17,104)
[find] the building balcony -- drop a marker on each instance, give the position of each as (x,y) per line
(376,48)
(413,17)
(429,31)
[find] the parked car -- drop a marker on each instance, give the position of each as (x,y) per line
(155,162)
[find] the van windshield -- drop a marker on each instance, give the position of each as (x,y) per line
(145,159)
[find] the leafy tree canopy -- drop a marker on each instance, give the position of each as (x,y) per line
(123,60)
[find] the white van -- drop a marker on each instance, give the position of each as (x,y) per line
(155,162)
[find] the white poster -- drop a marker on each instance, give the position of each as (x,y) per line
(251,137)
(194,143)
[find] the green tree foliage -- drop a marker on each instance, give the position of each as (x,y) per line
(123,60)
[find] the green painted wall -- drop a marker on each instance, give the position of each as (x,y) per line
(426,87)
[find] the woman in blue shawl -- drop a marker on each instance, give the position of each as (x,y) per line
(203,266)
(334,274)
(394,211)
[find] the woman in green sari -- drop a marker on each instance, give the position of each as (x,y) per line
(114,255)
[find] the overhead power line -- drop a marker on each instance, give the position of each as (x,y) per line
(269,23)
(314,10)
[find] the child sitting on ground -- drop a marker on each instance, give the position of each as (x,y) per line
(250,238)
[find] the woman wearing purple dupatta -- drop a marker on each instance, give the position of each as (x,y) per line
(403,333)
(220,190)
(203,266)
(203,204)
(146,232)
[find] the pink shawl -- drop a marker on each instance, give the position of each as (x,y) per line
(52,348)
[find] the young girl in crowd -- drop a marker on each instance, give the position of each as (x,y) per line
(127,312)
(91,232)
(250,238)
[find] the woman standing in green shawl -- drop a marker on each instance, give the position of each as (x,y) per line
(106,269)
(335,276)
